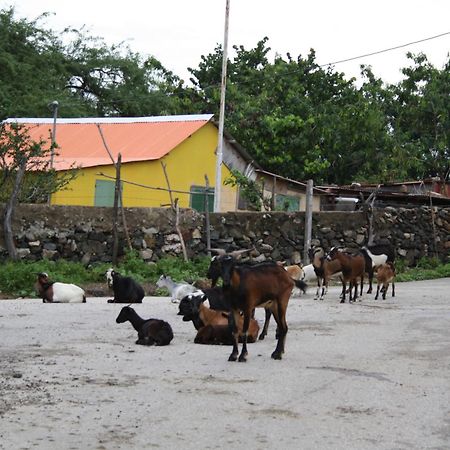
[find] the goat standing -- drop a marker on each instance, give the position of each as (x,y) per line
(262,285)
(385,275)
(150,331)
(353,267)
(375,255)
(323,269)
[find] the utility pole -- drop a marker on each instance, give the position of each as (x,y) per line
(54,105)
(218,182)
(308,220)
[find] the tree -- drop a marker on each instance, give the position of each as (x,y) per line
(295,117)
(19,154)
(86,76)
(421,119)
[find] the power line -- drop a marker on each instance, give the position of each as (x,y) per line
(385,50)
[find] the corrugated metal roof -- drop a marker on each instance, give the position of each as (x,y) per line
(136,138)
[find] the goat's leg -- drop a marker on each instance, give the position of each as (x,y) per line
(266,324)
(280,317)
(233,321)
(393,289)
(378,291)
(322,287)
(244,352)
(370,274)
(319,279)
(344,288)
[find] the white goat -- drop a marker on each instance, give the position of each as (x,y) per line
(177,290)
(56,292)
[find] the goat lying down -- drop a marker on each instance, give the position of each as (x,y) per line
(150,331)
(56,292)
(126,290)
(177,290)
(214,326)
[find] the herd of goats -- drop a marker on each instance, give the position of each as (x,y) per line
(225,314)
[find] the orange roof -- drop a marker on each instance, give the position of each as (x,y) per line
(136,138)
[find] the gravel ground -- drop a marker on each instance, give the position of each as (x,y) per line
(371,375)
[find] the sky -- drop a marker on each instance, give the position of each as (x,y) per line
(179,32)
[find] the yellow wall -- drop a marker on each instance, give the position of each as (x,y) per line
(186,166)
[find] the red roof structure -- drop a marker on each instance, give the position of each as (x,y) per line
(136,138)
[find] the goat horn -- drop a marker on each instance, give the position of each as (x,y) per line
(219,251)
(237,253)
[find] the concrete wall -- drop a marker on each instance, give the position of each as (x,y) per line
(84,233)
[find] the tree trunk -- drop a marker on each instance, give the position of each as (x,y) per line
(9,212)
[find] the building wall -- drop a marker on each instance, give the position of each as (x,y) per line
(186,166)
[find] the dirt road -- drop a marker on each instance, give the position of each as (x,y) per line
(372,375)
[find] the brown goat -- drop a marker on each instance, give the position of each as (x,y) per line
(264,285)
(353,267)
(217,326)
(385,275)
(324,269)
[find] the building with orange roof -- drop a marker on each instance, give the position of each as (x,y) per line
(186,145)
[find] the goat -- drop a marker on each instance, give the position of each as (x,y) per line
(126,290)
(193,308)
(385,275)
(323,269)
(150,331)
(353,266)
(57,292)
(246,287)
(177,290)
(215,272)
(309,273)
(375,255)
(296,273)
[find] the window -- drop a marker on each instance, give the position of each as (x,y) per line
(286,203)
(198,198)
(104,192)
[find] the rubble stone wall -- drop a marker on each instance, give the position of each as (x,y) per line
(85,233)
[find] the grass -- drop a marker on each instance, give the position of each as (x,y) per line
(17,278)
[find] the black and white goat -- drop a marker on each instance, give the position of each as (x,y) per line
(57,292)
(376,255)
(150,331)
(126,290)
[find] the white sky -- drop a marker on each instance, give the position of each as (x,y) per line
(178,32)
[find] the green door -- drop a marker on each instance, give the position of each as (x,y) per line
(104,193)
(198,198)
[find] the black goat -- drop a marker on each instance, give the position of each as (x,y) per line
(125,289)
(150,331)
(374,256)
(261,285)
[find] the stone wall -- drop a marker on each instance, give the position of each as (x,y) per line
(85,233)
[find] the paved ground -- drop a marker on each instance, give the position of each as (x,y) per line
(374,375)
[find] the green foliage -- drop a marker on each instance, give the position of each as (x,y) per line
(18,149)
(426,269)
(250,190)
(17,278)
(296,118)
